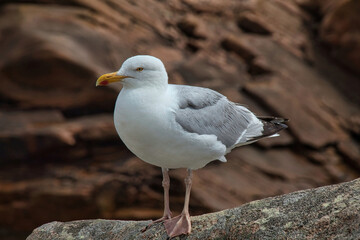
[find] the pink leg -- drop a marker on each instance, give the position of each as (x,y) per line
(166,186)
(181,224)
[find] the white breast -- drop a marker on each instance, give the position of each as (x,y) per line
(145,122)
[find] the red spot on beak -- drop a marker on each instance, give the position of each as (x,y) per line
(105,82)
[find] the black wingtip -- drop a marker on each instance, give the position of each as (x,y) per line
(286,120)
(272,125)
(273,119)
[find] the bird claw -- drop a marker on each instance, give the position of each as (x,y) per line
(146,227)
(178,225)
(162,219)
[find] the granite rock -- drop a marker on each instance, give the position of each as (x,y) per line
(330,212)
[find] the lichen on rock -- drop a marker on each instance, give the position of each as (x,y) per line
(330,212)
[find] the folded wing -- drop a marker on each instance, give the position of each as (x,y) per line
(204,111)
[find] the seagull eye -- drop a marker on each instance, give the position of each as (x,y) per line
(139,69)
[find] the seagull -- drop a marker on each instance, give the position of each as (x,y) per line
(178,126)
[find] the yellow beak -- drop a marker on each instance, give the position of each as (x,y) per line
(109,78)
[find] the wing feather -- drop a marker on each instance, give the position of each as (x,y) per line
(204,111)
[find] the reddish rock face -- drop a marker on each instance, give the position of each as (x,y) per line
(39,41)
(339,30)
(60,156)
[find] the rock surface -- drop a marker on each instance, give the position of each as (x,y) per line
(339,30)
(60,157)
(331,212)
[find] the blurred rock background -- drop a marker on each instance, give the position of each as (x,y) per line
(60,157)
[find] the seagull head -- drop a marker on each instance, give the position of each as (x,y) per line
(137,71)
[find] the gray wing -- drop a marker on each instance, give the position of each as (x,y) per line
(204,111)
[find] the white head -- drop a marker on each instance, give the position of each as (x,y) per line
(138,71)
